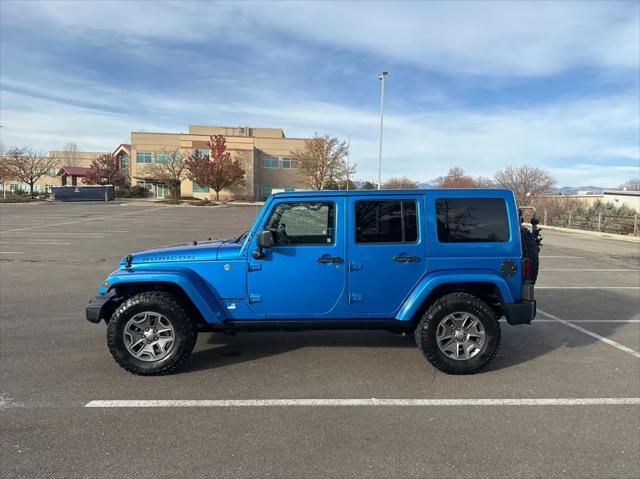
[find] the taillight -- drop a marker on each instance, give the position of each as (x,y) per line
(527,271)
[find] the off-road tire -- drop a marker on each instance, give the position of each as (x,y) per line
(184,329)
(531,251)
(425,333)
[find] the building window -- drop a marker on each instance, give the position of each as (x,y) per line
(164,157)
(288,163)
(145,185)
(266,191)
(204,152)
(124,162)
(200,188)
(472,220)
(386,222)
(270,162)
(303,223)
(143,157)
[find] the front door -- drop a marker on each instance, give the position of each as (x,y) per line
(161,191)
(303,274)
(386,252)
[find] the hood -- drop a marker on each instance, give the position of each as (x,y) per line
(186,252)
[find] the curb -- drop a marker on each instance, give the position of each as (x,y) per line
(632,239)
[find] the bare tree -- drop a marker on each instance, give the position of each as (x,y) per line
(403,183)
(526,182)
(170,168)
(631,185)
(5,175)
(27,165)
(71,157)
(457,178)
(323,162)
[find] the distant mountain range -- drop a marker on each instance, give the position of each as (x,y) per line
(571,190)
(565,190)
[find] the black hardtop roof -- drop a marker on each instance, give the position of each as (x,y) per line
(462,192)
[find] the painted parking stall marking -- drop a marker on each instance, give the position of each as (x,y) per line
(608,341)
(321,402)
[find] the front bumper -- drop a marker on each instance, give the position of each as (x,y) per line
(101,307)
(520,313)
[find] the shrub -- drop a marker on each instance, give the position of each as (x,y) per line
(123,193)
(137,192)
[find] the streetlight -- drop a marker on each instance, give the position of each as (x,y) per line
(381,77)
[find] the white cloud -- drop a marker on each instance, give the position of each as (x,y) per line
(510,39)
(569,138)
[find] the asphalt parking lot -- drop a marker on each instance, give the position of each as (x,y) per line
(548,379)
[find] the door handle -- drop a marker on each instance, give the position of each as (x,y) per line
(328,259)
(405,259)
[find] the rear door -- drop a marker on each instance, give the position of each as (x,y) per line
(386,252)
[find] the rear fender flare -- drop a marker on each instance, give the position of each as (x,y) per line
(424,288)
(190,282)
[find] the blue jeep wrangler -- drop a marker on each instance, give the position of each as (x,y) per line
(442,264)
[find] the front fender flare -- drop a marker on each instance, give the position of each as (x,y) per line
(424,288)
(190,282)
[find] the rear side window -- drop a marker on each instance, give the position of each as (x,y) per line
(472,220)
(303,223)
(386,221)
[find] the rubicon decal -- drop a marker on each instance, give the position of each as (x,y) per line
(168,258)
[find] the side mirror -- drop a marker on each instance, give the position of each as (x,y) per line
(264,240)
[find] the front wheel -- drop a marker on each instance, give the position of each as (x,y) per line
(151,334)
(459,334)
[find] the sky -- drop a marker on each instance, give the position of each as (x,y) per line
(478,85)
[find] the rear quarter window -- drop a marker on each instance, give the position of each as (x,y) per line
(472,220)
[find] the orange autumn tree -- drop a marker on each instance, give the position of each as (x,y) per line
(218,170)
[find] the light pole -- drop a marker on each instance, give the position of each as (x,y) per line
(348,159)
(381,77)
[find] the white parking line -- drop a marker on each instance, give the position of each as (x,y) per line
(52,233)
(360,402)
(97,218)
(608,341)
(587,287)
(11,252)
(37,244)
(537,320)
(587,269)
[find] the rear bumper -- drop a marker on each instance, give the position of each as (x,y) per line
(520,313)
(101,307)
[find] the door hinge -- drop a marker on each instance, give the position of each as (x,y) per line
(255,298)
(355,297)
(353,266)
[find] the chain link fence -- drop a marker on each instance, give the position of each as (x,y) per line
(582,219)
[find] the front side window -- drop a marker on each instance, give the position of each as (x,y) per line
(270,162)
(303,223)
(472,220)
(393,221)
(143,157)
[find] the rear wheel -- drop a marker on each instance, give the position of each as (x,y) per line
(459,334)
(151,334)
